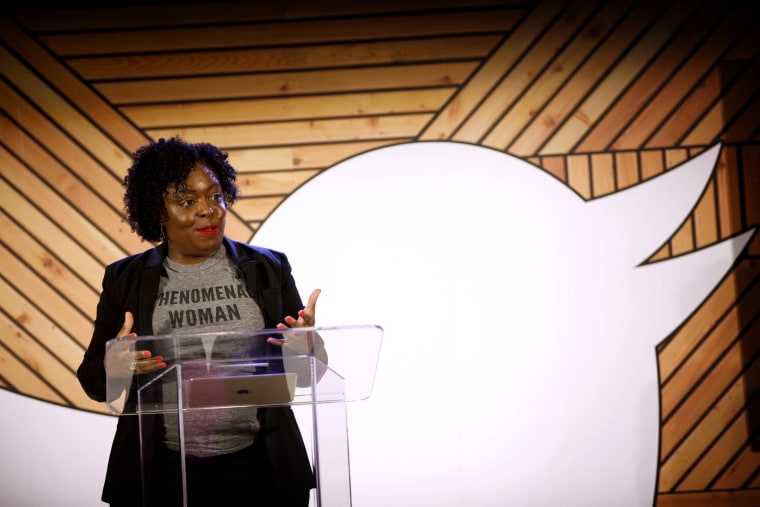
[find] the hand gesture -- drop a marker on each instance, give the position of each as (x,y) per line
(122,354)
(299,343)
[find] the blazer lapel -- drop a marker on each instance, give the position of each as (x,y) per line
(260,283)
(147,290)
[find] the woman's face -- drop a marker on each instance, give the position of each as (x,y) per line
(195,217)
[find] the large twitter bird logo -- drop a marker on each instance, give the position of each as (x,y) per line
(518,366)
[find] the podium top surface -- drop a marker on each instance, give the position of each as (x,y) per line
(325,364)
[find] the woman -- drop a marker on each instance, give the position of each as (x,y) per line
(177,194)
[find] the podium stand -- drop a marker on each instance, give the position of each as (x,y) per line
(210,377)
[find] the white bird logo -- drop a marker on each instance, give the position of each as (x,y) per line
(518,365)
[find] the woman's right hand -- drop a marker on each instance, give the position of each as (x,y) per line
(137,361)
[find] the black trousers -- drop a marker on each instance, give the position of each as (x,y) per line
(241,479)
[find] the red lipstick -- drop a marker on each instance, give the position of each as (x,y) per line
(209,230)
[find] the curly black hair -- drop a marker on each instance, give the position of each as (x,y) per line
(160,166)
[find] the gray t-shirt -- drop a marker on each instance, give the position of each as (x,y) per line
(193,299)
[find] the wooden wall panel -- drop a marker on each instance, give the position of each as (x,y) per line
(284,83)
(476,97)
(276,33)
(687,79)
(602,95)
(168,64)
(554,129)
(246,111)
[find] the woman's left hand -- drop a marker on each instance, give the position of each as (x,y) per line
(306,318)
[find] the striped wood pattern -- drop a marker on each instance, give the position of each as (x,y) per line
(602,95)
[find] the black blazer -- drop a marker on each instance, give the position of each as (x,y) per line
(131,284)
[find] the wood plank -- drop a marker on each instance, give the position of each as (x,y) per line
(602,174)
(103,184)
(69,284)
(63,117)
(238,228)
(194,13)
(683,82)
(610,86)
(746,498)
(683,119)
(287,108)
(300,132)
(728,193)
(22,379)
(706,218)
(719,305)
(719,455)
(42,363)
(579,175)
(601,61)
(25,318)
(49,234)
(675,157)
(279,33)
(744,125)
(701,437)
(99,144)
(719,119)
(60,151)
(714,401)
(744,467)
(750,183)
(257,209)
(316,56)
(626,107)
(82,211)
(299,157)
(38,372)
(702,360)
(555,165)
(627,171)
(116,131)
(683,240)
(248,86)
(661,254)
(652,163)
(484,82)
(533,81)
(63,326)
(268,183)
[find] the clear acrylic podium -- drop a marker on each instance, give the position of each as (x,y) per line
(315,372)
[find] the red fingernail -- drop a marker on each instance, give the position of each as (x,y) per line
(280,326)
(146,354)
(288,319)
(158,359)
